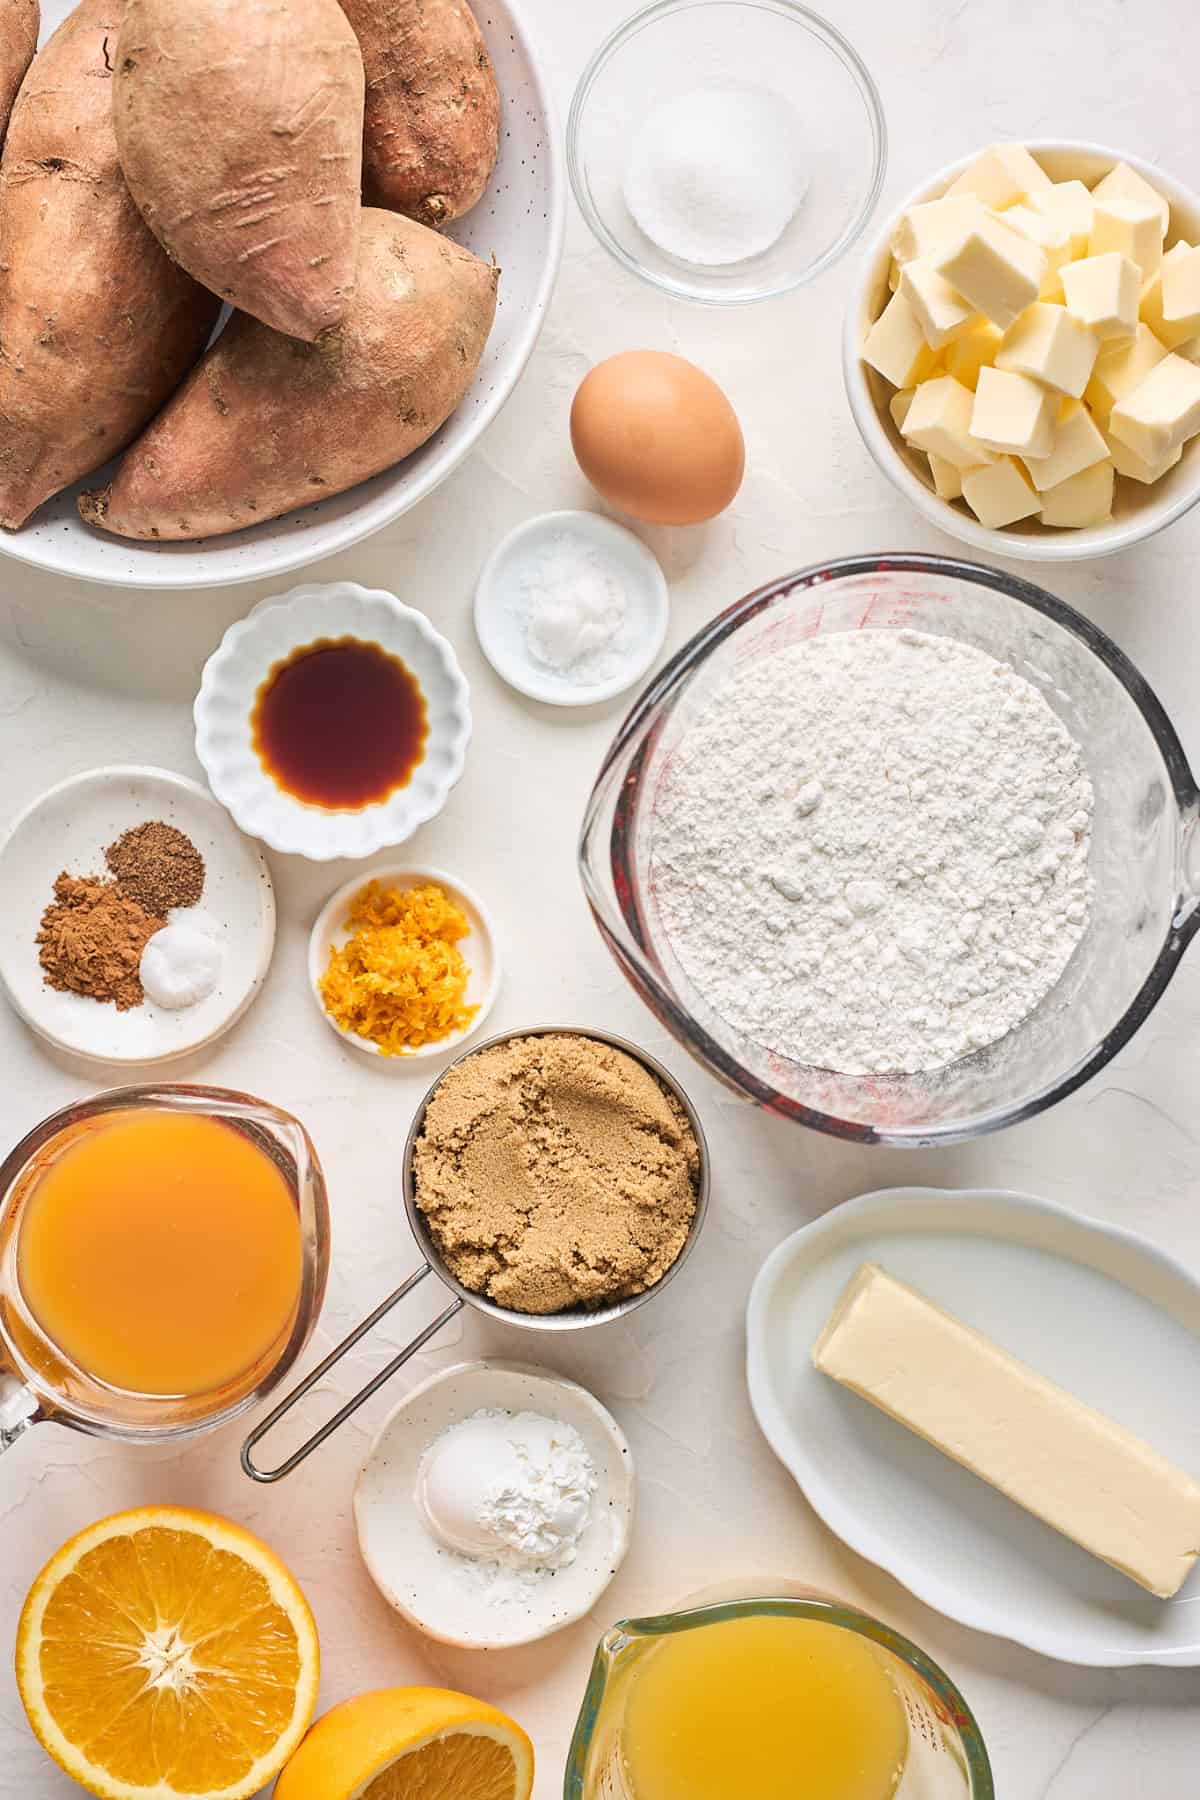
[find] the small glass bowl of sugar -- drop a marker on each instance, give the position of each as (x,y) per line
(726,150)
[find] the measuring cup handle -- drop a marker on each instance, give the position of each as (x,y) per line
(322,1369)
(19,1408)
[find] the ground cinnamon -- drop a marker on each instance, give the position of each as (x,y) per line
(91,940)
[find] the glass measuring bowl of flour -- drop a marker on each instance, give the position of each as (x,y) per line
(1139,890)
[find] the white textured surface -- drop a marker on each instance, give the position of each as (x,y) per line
(89,675)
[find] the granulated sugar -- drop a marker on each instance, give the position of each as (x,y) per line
(870,854)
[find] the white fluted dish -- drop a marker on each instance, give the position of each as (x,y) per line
(241,663)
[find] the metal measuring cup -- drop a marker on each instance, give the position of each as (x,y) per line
(575,1320)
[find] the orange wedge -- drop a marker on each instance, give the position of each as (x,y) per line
(411,1743)
(165,1654)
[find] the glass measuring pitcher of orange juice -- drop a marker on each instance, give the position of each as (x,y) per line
(163,1256)
(767,1699)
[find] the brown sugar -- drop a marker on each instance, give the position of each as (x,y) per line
(91,940)
(556,1172)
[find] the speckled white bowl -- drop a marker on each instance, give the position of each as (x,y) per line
(425,1583)
(1139,511)
(242,661)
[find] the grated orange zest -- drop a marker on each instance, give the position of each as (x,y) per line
(400,979)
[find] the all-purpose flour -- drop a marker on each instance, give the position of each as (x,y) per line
(870,853)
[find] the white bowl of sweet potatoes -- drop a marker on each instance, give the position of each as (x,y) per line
(517,224)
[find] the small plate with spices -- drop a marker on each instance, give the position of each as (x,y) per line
(332,721)
(571,608)
(136,924)
(402,962)
(495,1505)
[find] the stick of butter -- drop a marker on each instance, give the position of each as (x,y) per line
(1070,1466)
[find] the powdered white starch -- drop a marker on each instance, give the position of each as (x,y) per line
(871,852)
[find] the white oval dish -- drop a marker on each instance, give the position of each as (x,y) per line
(68,828)
(478,948)
(501,608)
(423,1581)
(1098,1310)
(245,657)
(519,222)
(1140,511)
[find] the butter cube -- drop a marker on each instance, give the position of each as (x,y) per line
(894,277)
(1127,462)
(1162,412)
(1102,292)
(1013,412)
(974,350)
(898,406)
(1077,445)
(1181,288)
(1124,183)
(1120,366)
(1002,174)
(997,270)
(927,228)
(1051,239)
(939,421)
(943,313)
(1049,344)
(1082,499)
(1171,332)
(896,345)
(947,478)
(1068,206)
(1000,494)
(1134,228)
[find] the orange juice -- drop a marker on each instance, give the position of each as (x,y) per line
(161,1252)
(763,1709)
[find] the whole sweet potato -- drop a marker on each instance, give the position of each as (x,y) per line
(433,109)
(97,325)
(19,23)
(267,423)
(239,124)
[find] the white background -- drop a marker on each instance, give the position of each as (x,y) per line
(91,676)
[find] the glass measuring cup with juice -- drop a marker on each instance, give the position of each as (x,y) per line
(766,1700)
(162,1260)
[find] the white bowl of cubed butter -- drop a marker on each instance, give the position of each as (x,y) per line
(1022,355)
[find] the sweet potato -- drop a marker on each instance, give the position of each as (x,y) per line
(97,325)
(433,110)
(19,23)
(239,124)
(267,423)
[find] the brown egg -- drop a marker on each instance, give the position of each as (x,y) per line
(657,438)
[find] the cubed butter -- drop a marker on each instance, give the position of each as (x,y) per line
(1124,183)
(927,228)
(1082,499)
(1070,1466)
(997,270)
(1120,366)
(1171,332)
(1050,344)
(1013,413)
(1131,227)
(1051,239)
(1068,206)
(976,349)
(1127,462)
(1181,288)
(1000,493)
(1102,292)
(1077,445)
(1000,175)
(947,478)
(898,406)
(939,422)
(896,345)
(942,312)
(1162,412)
(894,277)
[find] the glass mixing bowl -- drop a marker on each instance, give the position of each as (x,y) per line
(1145,846)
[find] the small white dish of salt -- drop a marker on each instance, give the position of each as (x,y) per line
(571,608)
